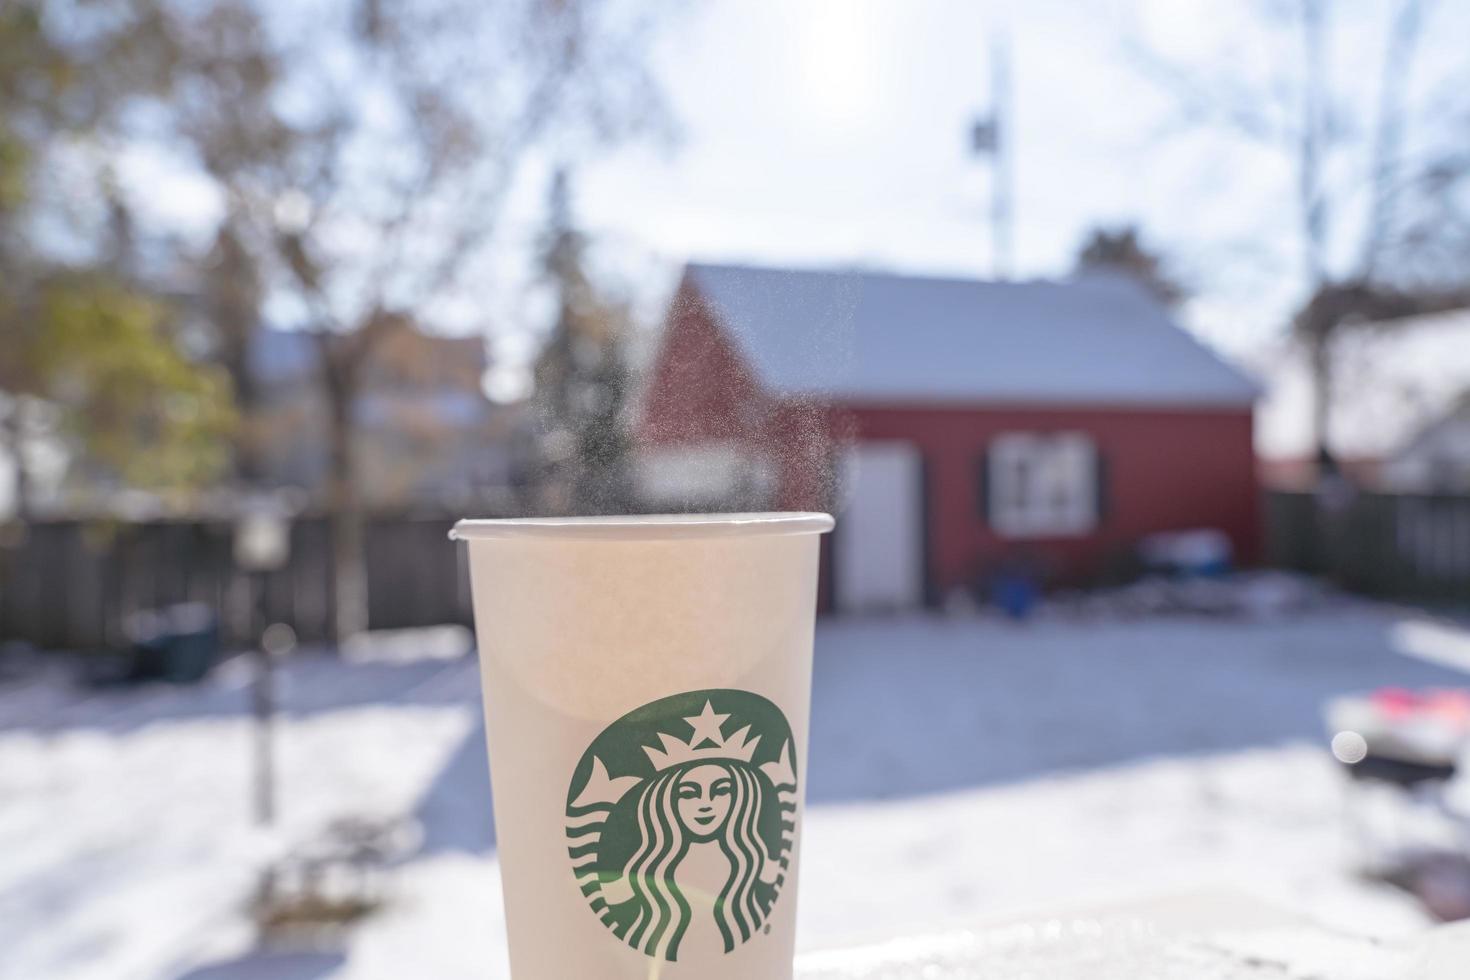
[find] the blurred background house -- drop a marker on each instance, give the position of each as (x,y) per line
(960,425)
(1436,459)
(428,434)
(1392,415)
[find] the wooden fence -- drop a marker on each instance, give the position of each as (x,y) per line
(1413,546)
(72,584)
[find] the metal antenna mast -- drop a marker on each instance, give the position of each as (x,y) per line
(991,136)
(1000,190)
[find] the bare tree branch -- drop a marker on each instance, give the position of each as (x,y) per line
(371,156)
(1412,221)
(1311,202)
(1398,63)
(1216,101)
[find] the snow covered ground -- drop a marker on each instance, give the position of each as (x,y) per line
(976,769)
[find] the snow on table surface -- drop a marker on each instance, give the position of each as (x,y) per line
(960,770)
(1191,936)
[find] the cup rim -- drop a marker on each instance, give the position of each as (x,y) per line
(645,527)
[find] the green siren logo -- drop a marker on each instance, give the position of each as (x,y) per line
(680,821)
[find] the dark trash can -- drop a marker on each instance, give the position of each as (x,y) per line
(194,649)
(179,644)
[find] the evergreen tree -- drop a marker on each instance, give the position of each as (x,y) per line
(1123,250)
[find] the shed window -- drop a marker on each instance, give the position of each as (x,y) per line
(1042,485)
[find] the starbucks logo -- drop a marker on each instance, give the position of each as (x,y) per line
(680,821)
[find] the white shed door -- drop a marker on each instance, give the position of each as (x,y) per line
(879,550)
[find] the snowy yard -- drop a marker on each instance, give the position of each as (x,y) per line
(976,769)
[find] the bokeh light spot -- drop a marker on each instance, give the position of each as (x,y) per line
(1349,747)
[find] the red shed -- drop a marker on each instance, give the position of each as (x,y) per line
(957,425)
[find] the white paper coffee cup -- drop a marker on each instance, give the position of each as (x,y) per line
(647,690)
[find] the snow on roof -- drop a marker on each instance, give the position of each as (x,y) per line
(281,356)
(286,356)
(1099,339)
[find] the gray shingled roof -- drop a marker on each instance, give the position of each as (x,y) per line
(869,336)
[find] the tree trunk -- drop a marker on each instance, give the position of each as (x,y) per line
(1320,357)
(249,466)
(14,528)
(12,439)
(349,559)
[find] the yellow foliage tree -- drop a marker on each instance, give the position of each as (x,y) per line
(136,410)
